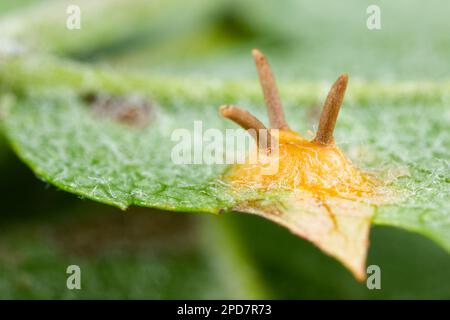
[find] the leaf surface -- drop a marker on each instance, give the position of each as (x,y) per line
(398,131)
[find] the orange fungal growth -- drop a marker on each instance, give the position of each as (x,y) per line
(305,165)
(317,166)
(309,186)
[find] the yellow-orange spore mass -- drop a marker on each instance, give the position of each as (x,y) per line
(305,165)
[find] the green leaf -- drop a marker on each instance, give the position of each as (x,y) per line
(389,128)
(43,26)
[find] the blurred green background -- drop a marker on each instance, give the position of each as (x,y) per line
(143,253)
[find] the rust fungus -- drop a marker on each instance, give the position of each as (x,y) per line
(315,165)
(324,197)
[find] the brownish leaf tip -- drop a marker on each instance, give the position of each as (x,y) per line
(270,91)
(330,111)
